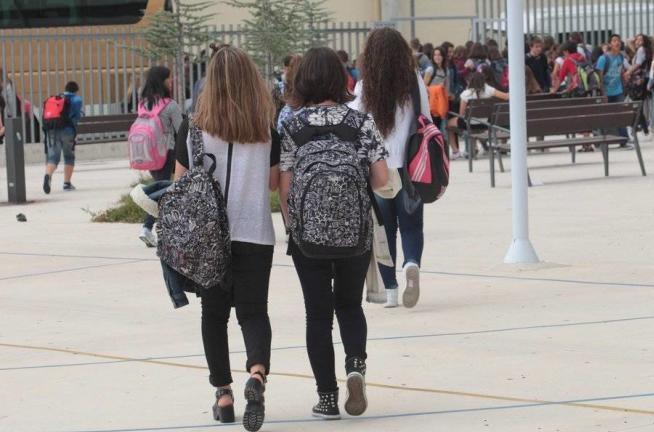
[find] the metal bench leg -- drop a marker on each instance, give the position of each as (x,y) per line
(500,161)
(573,152)
(605,154)
(640,156)
(491,158)
(469,142)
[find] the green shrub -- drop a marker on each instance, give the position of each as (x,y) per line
(126,211)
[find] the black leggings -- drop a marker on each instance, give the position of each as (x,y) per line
(251,266)
(321,299)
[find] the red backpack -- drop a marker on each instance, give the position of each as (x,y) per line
(56,112)
(427,169)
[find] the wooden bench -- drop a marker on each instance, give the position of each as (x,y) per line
(104,128)
(569,121)
(543,96)
(475,109)
(485,109)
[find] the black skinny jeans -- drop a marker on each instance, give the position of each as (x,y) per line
(321,299)
(165,173)
(251,266)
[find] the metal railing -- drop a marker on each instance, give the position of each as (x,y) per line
(108,67)
(596,20)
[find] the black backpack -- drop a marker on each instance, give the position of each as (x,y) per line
(329,200)
(193,228)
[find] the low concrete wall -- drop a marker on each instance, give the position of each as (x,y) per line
(34,153)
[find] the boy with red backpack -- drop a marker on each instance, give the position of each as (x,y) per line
(61,114)
(569,74)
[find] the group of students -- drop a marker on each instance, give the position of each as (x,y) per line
(616,69)
(252,154)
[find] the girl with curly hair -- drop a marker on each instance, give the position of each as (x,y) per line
(389,75)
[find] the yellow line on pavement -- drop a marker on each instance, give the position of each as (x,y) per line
(374,385)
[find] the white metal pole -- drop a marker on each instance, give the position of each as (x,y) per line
(521,250)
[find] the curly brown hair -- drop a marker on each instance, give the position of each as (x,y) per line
(388,74)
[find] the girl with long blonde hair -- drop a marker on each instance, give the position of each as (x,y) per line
(234,117)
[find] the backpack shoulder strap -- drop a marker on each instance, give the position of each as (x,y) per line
(341,130)
(197,144)
(160,106)
(415,99)
(228,176)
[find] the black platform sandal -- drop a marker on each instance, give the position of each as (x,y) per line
(224,414)
(255,410)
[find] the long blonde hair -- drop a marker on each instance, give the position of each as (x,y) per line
(235,104)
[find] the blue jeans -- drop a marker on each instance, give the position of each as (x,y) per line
(411,231)
(60,141)
(614,99)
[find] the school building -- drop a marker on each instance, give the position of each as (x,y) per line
(456,29)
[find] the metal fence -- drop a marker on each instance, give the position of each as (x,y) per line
(108,67)
(595,19)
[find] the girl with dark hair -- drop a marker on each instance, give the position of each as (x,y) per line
(489,76)
(156,94)
(478,56)
(330,285)
(389,79)
(478,88)
(440,69)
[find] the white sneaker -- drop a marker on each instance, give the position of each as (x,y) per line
(391,298)
(412,291)
(148,238)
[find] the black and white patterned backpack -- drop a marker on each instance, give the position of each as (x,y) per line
(193,228)
(329,201)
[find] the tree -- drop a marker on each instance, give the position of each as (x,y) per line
(277,28)
(170,34)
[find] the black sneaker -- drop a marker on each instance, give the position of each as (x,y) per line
(68,186)
(46,184)
(327,406)
(255,410)
(356,402)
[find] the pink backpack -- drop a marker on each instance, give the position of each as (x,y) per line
(146,140)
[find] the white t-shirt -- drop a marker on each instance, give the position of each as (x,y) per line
(396,141)
(469,94)
(248,203)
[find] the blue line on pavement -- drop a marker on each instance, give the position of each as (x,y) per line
(386,338)
(67,270)
(431,272)
(390,416)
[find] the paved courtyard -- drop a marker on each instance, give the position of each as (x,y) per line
(89,340)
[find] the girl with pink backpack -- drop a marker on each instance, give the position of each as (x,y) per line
(151,138)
